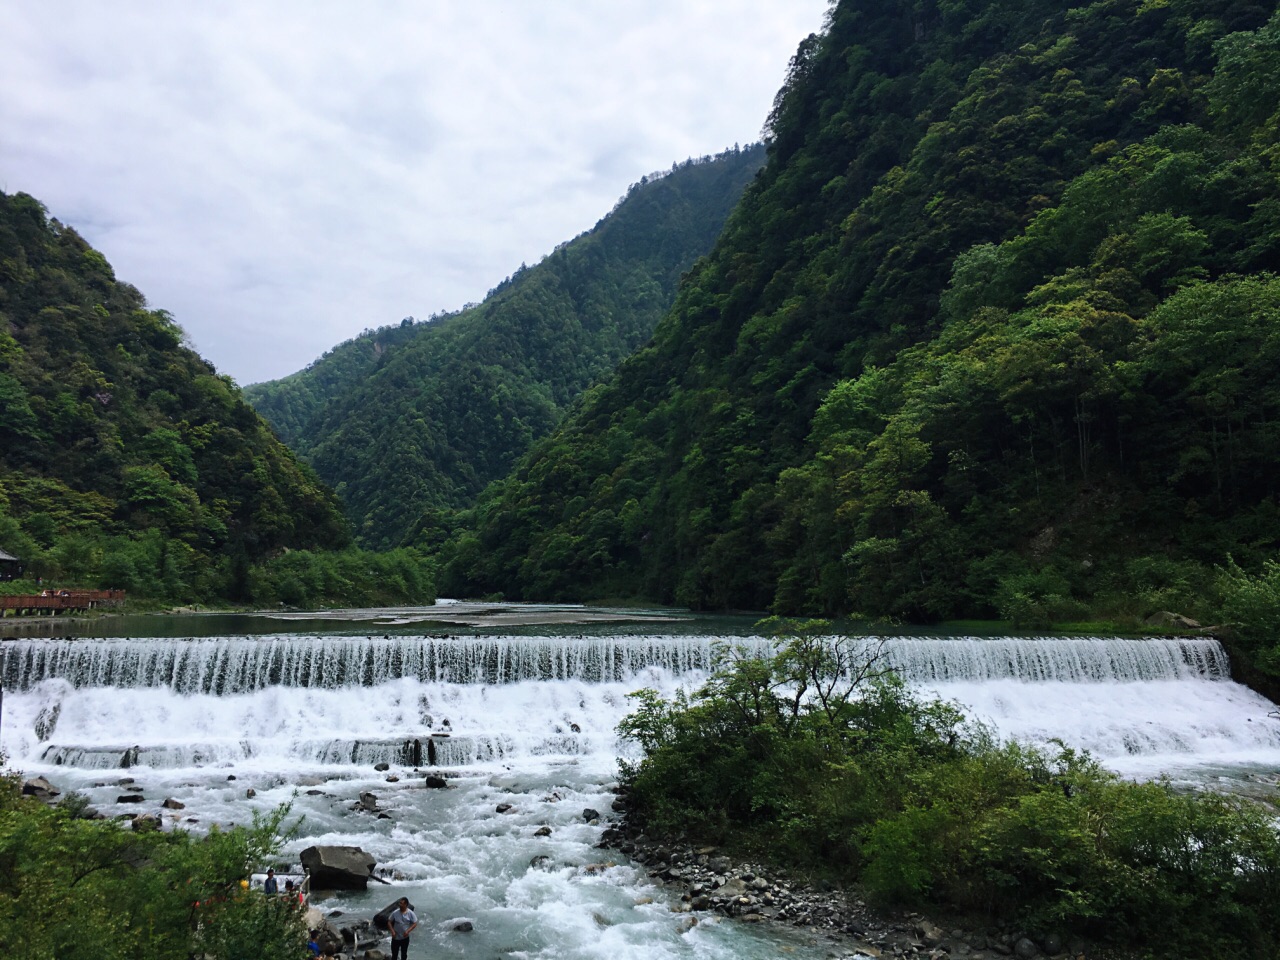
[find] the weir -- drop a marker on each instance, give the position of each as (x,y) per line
(305,701)
(234,665)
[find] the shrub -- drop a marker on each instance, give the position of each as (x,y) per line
(815,756)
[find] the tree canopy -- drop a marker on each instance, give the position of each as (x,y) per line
(989,335)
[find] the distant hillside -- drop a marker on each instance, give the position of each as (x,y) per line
(291,403)
(420,417)
(125,457)
(993,333)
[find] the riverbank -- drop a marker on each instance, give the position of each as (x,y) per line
(707,879)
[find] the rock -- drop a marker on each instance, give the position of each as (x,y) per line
(504,808)
(315,793)
(1175,621)
(251,793)
(172,804)
(384,816)
(589,814)
(1025,949)
(393,779)
(731,888)
(338,868)
(466,926)
(930,934)
(368,801)
(145,823)
(541,861)
(382,767)
(231,777)
(1052,943)
(40,788)
(131,798)
(437,783)
(542,832)
(374,954)
(327,935)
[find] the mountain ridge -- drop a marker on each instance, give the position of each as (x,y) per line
(771,448)
(447,406)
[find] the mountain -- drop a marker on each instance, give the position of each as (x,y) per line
(124,457)
(992,333)
(420,417)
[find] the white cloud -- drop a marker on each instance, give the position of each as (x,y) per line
(281,175)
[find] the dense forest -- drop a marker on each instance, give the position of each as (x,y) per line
(410,422)
(125,459)
(993,333)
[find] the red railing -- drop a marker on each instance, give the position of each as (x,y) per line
(52,601)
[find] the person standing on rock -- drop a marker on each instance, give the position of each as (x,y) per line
(402,923)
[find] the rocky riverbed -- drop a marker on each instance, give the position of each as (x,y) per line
(709,882)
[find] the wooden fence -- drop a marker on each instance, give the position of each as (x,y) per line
(54,602)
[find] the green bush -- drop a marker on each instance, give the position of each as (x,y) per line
(91,888)
(1251,605)
(816,757)
(1036,600)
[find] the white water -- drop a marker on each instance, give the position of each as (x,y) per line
(530,721)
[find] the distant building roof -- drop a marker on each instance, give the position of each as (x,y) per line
(7,556)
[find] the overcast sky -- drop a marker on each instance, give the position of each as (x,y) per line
(282,175)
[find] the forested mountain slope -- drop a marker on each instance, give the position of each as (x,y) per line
(994,331)
(290,403)
(121,450)
(421,417)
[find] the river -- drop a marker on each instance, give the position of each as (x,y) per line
(518,705)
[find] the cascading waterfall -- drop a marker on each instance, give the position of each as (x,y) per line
(528,724)
(468,700)
(239,665)
(243,664)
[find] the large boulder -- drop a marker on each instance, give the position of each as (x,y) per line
(338,868)
(40,788)
(1171,621)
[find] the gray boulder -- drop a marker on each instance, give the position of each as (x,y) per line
(1173,621)
(40,788)
(338,868)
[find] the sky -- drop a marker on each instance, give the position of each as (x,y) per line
(283,175)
